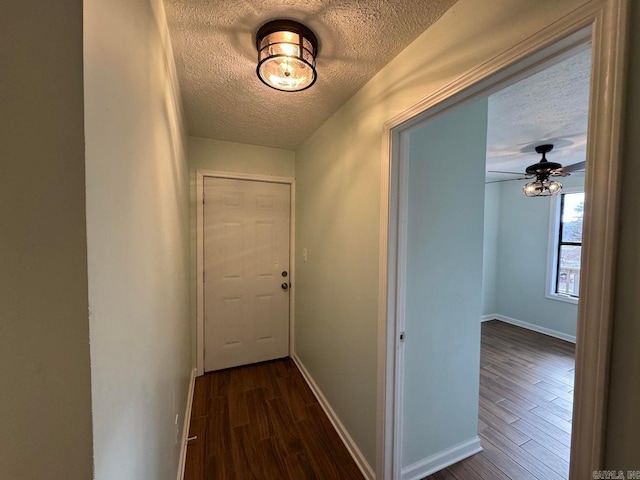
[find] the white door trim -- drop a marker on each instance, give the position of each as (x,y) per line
(604,22)
(200,175)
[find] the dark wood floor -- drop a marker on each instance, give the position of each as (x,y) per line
(261,422)
(526,398)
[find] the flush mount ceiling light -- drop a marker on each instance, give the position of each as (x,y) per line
(286,55)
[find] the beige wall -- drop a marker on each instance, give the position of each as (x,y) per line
(208,154)
(45,403)
(138,240)
(338,195)
(623,441)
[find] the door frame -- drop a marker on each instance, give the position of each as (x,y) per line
(604,22)
(200,176)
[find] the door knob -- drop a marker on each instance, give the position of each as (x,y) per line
(285,286)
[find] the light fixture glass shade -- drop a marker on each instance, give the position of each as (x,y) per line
(542,187)
(286,55)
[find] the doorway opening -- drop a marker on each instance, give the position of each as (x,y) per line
(531,274)
(595,309)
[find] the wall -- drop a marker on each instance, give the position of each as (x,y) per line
(444,281)
(338,198)
(623,446)
(138,240)
(490,248)
(208,154)
(45,404)
(521,267)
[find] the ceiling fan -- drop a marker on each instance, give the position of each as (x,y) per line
(543,186)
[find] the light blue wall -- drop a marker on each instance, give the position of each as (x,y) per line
(490,248)
(521,261)
(444,280)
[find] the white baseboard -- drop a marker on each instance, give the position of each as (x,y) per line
(531,326)
(486,318)
(352,448)
(440,460)
(186,424)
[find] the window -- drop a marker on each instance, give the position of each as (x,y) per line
(565,245)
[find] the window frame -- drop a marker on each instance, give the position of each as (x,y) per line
(553,250)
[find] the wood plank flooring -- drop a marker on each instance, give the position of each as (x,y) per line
(526,398)
(261,422)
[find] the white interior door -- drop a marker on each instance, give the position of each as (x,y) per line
(246,255)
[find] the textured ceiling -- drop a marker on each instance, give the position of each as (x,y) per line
(548,107)
(214,46)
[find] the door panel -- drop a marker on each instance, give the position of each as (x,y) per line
(246,249)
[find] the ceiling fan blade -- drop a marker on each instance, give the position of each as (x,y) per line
(510,173)
(509,180)
(574,167)
(566,171)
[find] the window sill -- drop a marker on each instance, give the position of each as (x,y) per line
(562,298)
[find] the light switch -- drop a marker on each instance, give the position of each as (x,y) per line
(305,256)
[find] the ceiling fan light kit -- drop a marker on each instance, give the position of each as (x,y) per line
(542,188)
(286,55)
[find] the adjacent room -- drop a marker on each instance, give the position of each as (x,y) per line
(531,274)
(495,202)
